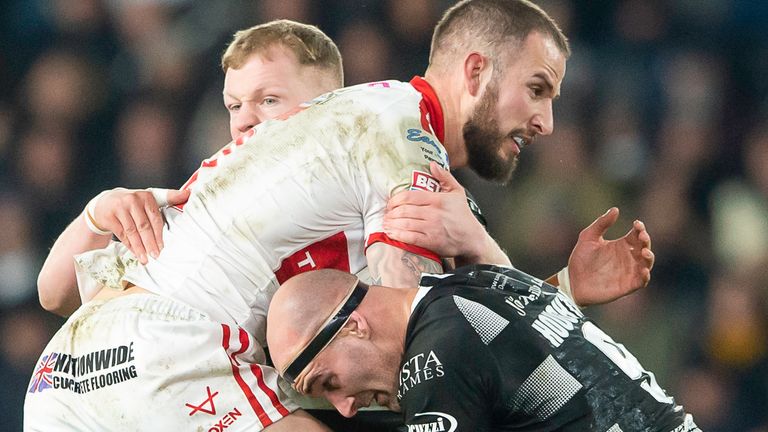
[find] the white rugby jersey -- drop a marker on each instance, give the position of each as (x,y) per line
(294,195)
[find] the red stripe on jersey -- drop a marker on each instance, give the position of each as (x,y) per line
(241,139)
(244,343)
(430,104)
(329,253)
(383,238)
(292,112)
(256,369)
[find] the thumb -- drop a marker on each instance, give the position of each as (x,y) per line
(602,223)
(176,197)
(448,182)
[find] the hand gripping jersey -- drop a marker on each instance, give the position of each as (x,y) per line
(295,195)
(493,349)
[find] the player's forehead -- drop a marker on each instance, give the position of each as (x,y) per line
(274,68)
(537,57)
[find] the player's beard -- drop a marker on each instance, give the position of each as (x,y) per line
(483,140)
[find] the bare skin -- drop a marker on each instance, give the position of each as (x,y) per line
(132,215)
(375,332)
(251,101)
(265,87)
(442,222)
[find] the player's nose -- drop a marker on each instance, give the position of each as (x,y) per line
(248,118)
(543,121)
(345,405)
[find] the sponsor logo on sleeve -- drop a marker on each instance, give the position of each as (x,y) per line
(433,422)
(424,181)
(83,374)
(429,147)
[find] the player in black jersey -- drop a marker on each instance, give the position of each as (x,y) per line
(485,348)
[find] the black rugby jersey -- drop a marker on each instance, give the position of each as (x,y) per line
(493,349)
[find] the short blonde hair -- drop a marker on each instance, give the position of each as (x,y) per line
(311,46)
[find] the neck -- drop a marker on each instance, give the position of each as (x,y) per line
(446,87)
(390,311)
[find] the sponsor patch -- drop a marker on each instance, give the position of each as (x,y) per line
(424,181)
(432,422)
(86,373)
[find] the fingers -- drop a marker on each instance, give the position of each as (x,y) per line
(156,222)
(176,197)
(407,212)
(650,259)
(415,238)
(135,219)
(642,234)
(130,234)
(144,228)
(404,224)
(415,197)
(598,228)
(448,182)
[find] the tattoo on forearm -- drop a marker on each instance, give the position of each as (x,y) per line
(417,264)
(396,267)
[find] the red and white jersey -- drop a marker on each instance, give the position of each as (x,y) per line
(294,195)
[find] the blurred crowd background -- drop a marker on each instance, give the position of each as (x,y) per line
(664,113)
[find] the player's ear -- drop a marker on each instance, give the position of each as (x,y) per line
(357,326)
(477,70)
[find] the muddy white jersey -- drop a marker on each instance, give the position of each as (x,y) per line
(292,195)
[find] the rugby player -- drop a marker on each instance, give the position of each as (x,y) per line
(379,247)
(485,348)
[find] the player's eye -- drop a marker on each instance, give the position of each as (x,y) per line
(536,91)
(233,107)
(329,384)
(269,101)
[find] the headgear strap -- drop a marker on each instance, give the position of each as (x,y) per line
(324,337)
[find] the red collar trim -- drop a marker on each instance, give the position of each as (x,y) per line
(431,104)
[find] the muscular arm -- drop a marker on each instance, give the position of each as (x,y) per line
(600,270)
(395,267)
(132,215)
(56,283)
(442,222)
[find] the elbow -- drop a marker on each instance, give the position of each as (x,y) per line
(50,298)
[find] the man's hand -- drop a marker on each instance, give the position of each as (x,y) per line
(441,222)
(134,217)
(605,270)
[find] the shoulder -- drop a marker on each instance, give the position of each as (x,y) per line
(378,97)
(455,320)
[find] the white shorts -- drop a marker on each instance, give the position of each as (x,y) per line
(145,362)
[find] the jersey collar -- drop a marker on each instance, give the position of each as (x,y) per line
(431,104)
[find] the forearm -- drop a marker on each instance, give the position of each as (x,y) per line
(395,267)
(486,252)
(57,282)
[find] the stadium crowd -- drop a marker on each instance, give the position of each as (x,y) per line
(664,114)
